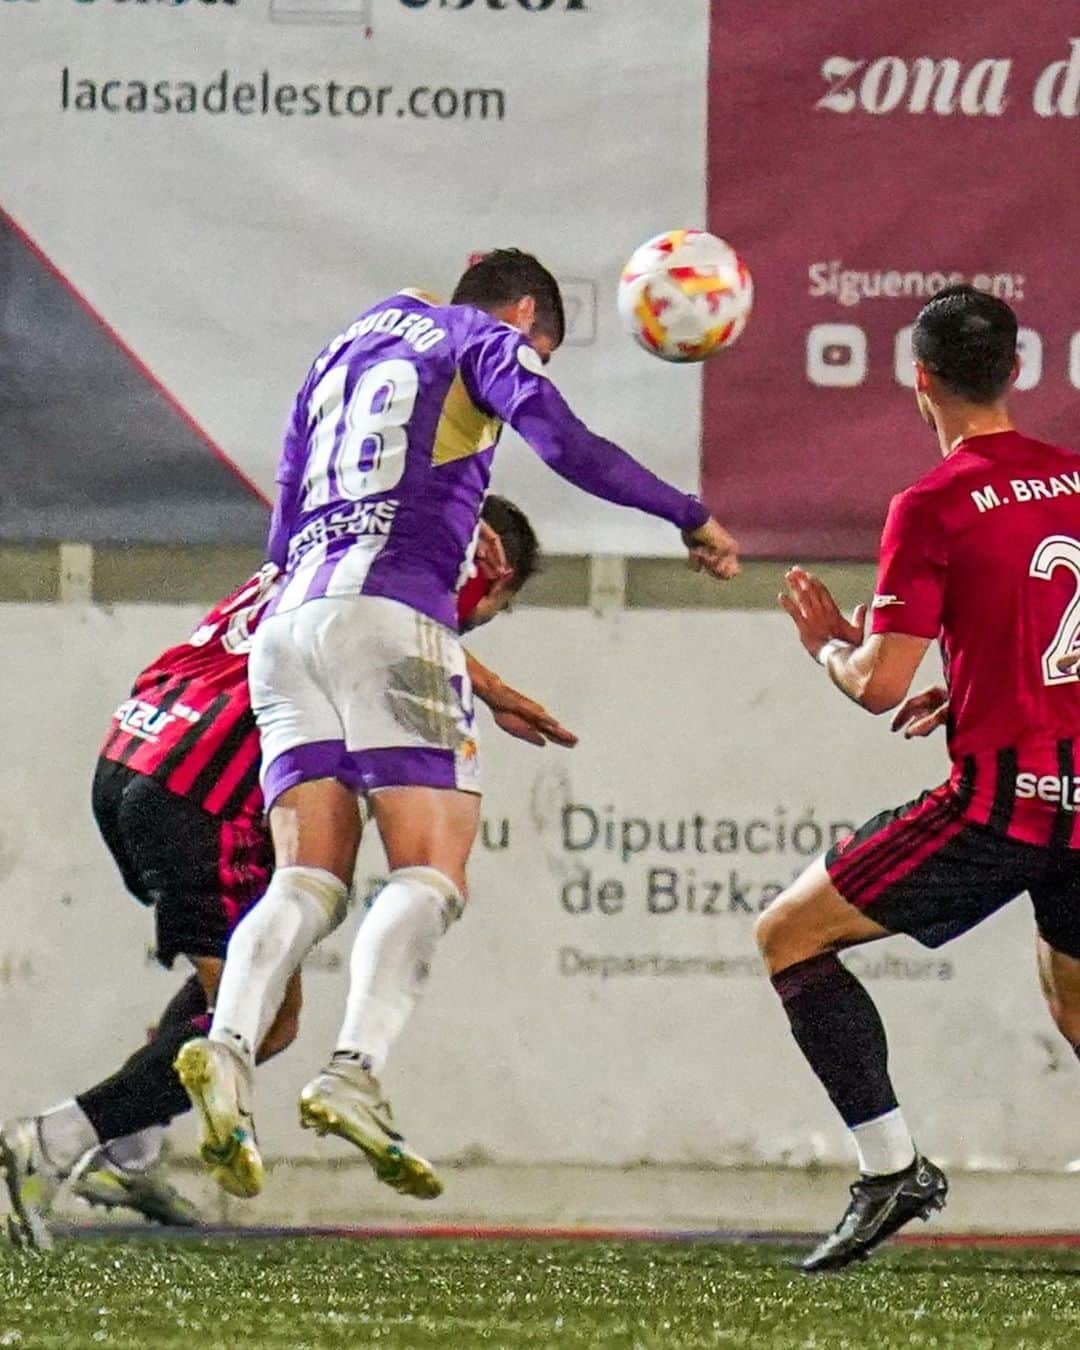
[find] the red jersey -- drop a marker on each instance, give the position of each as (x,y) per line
(983,553)
(188,722)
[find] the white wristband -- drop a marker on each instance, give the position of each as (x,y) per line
(833,645)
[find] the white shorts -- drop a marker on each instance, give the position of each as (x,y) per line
(365,690)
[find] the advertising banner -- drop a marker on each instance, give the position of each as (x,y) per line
(862,162)
(225,184)
(601,1002)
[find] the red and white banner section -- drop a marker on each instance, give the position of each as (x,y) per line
(95,448)
(860,164)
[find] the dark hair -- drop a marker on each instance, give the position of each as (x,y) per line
(507,275)
(968,340)
(518,537)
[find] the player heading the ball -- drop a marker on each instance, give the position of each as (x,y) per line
(358,679)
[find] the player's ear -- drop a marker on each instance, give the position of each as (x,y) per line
(922,377)
(525,314)
(1015,369)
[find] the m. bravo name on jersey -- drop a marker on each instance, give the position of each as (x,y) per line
(1028,490)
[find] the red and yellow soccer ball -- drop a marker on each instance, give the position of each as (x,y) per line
(685,295)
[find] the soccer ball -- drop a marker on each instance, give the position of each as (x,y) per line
(685,295)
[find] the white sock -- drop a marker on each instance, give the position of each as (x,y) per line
(66,1134)
(884,1145)
(390,960)
(302,906)
(137,1152)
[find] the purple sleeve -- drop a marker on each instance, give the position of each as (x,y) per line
(289,475)
(503,374)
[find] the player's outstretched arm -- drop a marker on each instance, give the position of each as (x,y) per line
(875,671)
(516,714)
(505,375)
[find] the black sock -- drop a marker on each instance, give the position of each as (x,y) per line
(838,1029)
(146,1091)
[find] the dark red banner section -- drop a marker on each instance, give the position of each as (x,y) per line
(860,162)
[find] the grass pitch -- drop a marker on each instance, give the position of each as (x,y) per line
(312,1292)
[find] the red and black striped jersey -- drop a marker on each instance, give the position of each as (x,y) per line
(188,721)
(983,552)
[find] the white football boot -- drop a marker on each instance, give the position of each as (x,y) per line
(219,1085)
(348,1102)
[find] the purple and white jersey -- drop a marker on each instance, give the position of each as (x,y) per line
(388,455)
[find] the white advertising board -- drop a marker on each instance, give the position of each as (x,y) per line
(601,1001)
(229,182)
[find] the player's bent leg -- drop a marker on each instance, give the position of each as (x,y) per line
(317,824)
(302,905)
(316,829)
(37,1155)
(809,918)
(389,966)
(286,1025)
(128,1174)
(428,827)
(390,961)
(124,1173)
(838,1028)
(1059,979)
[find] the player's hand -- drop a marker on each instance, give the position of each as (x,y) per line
(816,614)
(1068,664)
(490,556)
(524,718)
(923,713)
(713,550)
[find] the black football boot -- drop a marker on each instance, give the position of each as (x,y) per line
(880,1206)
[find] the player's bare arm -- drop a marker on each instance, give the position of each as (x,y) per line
(514,712)
(876,672)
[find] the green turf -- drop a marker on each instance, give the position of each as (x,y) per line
(300,1293)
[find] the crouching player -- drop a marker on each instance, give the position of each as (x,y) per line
(177,801)
(983,552)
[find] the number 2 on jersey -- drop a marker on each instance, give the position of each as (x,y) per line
(362,453)
(1059,550)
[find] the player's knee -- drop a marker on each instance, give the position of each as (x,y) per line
(1066,1015)
(319,890)
(769,930)
(785,937)
(450,893)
